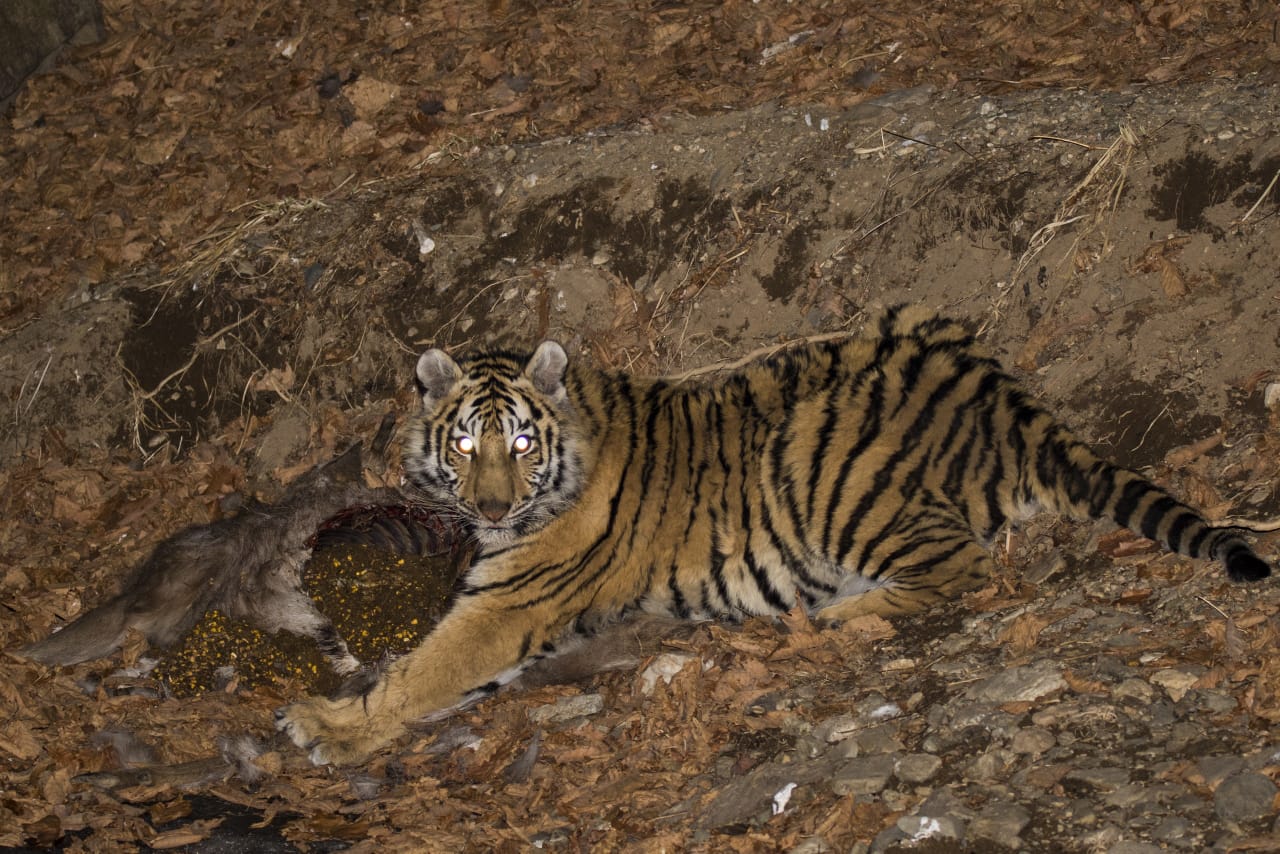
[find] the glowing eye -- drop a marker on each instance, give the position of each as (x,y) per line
(521,444)
(464,445)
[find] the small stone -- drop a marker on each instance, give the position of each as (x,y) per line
(1101,779)
(1032,740)
(868,742)
(1216,702)
(567,708)
(1136,689)
(945,802)
(879,739)
(812,845)
(1133,847)
(1183,733)
(1102,839)
(1173,828)
(994,764)
(836,729)
(917,768)
(1269,755)
(1215,769)
(1246,797)
(1020,684)
(865,775)
(1001,823)
(886,839)
(1081,811)
(1039,778)
(998,724)
(918,828)
(895,801)
(1161,713)
(1175,681)
(1127,796)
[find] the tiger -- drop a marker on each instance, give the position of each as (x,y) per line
(853,476)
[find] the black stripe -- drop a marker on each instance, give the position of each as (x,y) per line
(1161,507)
(901,575)
(747,445)
(792,563)
(1196,548)
(715,564)
(697,471)
(678,603)
(1105,478)
(869,431)
(1130,496)
(831,414)
(884,476)
(764,585)
(936,517)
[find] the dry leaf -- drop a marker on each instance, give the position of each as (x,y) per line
(667,35)
(1134,595)
(1185,454)
(1172,280)
(16,740)
(277,380)
(371,96)
(1084,685)
(177,838)
(1023,632)
(868,627)
(158,147)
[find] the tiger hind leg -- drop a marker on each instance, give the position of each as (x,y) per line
(929,569)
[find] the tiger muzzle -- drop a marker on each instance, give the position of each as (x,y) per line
(494,481)
(493,509)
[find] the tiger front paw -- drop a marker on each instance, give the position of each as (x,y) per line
(334,732)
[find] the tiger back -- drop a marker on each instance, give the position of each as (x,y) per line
(854,476)
(862,475)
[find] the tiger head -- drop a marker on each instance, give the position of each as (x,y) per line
(497,442)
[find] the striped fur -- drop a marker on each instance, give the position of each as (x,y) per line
(853,476)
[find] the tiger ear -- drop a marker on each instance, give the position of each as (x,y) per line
(546,368)
(436,375)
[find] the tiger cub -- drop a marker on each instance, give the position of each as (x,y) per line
(854,476)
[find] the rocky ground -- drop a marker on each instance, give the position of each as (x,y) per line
(659,189)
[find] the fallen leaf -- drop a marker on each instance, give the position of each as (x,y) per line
(868,627)
(177,838)
(1172,280)
(1023,632)
(1134,595)
(1184,454)
(371,96)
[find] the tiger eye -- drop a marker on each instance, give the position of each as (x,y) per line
(522,444)
(464,445)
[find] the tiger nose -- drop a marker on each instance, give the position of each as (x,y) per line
(494,509)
